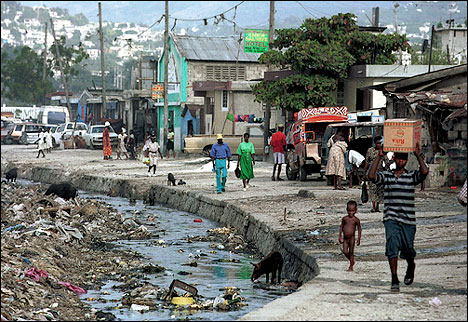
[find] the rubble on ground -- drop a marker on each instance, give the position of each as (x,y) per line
(53,251)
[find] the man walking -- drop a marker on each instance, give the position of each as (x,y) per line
(278,142)
(399,213)
(219,153)
(170,142)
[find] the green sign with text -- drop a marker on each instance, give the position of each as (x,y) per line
(256,40)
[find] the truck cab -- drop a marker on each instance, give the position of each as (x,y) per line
(306,137)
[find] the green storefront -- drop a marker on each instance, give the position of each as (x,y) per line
(177,93)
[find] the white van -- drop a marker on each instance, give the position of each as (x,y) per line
(53,115)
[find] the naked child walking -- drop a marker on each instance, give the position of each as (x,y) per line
(348,232)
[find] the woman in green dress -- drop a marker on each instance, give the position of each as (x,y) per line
(246,160)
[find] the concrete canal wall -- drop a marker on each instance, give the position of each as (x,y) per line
(297,264)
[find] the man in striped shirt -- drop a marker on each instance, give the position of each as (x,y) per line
(399,213)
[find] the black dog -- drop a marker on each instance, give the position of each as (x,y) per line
(181,182)
(64,190)
(170,179)
(11,174)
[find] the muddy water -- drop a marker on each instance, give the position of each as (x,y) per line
(214,271)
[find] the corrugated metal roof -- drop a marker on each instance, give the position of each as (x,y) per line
(213,48)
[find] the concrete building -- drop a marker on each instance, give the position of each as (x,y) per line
(439,98)
(453,41)
(219,68)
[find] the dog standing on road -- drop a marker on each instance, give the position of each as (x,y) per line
(171,180)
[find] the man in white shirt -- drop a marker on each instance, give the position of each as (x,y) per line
(354,161)
(152,148)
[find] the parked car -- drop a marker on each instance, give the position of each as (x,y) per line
(30,133)
(93,136)
(64,131)
(16,133)
(7,127)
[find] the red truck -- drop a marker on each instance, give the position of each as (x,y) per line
(305,140)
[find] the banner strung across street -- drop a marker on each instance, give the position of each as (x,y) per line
(256,40)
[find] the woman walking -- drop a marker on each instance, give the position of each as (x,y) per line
(246,160)
(106,144)
(376,192)
(336,159)
(121,146)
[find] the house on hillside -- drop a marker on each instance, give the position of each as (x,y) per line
(210,76)
(439,98)
(452,41)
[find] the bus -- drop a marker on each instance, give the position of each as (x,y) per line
(49,114)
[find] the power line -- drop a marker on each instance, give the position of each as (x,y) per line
(203,19)
(306,9)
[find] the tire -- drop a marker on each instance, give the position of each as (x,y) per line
(302,173)
(92,146)
(8,140)
(207,150)
(291,175)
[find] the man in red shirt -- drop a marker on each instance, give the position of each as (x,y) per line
(278,142)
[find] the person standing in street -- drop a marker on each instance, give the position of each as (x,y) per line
(170,142)
(121,145)
(152,148)
(278,142)
(376,192)
(219,153)
(399,211)
(336,165)
(131,145)
(106,144)
(246,160)
(41,143)
(49,140)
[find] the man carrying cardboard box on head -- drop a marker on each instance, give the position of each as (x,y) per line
(399,212)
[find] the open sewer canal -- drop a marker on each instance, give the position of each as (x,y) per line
(169,248)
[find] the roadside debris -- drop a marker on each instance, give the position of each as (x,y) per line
(55,250)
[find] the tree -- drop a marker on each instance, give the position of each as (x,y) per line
(321,51)
(22,77)
(71,58)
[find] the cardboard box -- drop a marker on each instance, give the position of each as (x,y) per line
(401,135)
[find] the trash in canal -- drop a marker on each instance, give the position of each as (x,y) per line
(198,220)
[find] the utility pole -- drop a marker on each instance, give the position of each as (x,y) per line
(395,6)
(103,74)
(45,62)
(166,71)
(266,129)
(430,51)
(45,54)
(64,80)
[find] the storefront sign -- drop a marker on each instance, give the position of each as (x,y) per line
(157,91)
(256,41)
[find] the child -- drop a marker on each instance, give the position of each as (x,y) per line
(348,229)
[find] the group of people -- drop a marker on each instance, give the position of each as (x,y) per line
(343,162)
(126,143)
(221,159)
(396,186)
(44,142)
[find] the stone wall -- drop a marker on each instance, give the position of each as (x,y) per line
(298,265)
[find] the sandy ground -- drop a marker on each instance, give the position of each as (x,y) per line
(334,294)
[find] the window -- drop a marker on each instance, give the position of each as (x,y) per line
(55,117)
(61,128)
(225,72)
(224,106)
(340,93)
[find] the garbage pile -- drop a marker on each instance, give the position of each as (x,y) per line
(53,251)
(225,238)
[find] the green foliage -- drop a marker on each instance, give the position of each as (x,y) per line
(438,57)
(71,57)
(439,24)
(321,51)
(22,77)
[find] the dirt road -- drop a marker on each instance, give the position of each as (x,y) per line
(313,222)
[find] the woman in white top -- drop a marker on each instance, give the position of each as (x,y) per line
(121,146)
(49,141)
